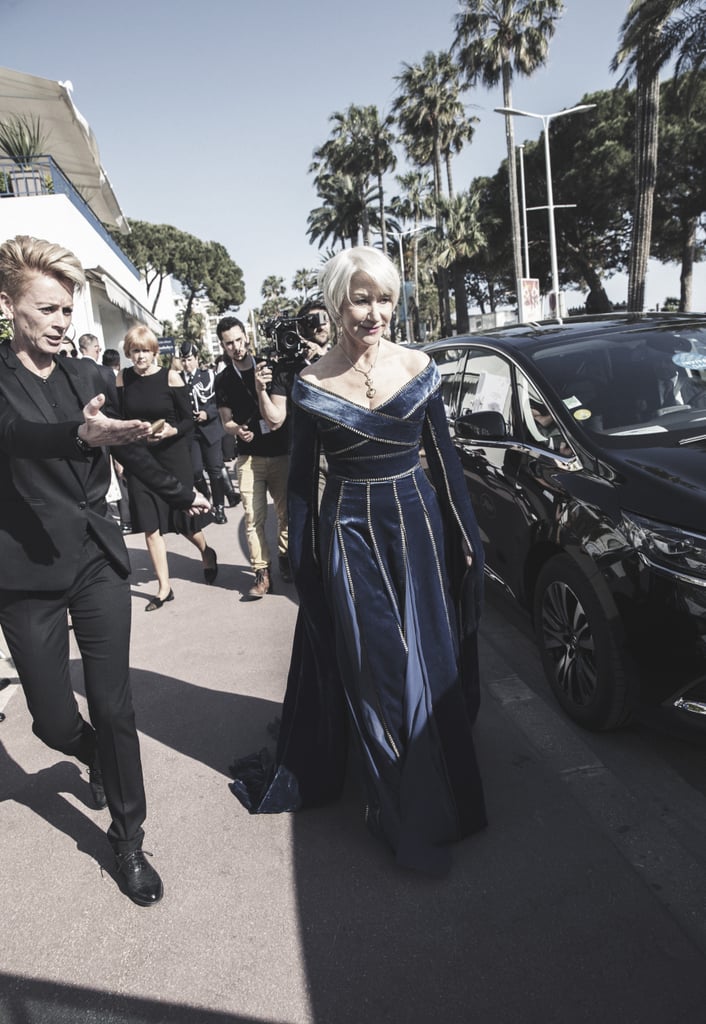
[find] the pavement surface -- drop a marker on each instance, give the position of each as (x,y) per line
(561,911)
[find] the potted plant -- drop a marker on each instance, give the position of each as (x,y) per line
(23,140)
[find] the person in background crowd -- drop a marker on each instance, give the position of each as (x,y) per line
(316,329)
(117,498)
(61,554)
(67,348)
(389,573)
(206,450)
(244,406)
(111,359)
(149,392)
(89,346)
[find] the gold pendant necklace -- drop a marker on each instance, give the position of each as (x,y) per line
(370,391)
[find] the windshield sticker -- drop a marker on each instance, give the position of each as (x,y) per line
(582,414)
(571,402)
(690,360)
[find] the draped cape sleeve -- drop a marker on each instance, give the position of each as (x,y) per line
(310,760)
(461,534)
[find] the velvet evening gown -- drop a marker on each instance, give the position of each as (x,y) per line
(385,644)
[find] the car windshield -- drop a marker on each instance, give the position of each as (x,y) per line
(637,384)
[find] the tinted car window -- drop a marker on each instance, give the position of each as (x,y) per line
(450,362)
(636,384)
(540,427)
(487,385)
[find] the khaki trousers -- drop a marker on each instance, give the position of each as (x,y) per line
(258,474)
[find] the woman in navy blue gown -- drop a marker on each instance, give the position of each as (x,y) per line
(389,575)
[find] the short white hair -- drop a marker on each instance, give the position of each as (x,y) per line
(335,278)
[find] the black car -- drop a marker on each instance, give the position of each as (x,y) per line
(584,449)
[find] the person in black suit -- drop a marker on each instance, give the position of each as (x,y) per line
(206,448)
(90,348)
(60,553)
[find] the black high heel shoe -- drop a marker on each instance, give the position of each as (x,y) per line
(210,572)
(157,602)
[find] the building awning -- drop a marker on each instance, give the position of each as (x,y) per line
(70,140)
(124,300)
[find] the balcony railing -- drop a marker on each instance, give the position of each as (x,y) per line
(42,176)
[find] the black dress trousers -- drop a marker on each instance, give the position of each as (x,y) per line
(35,625)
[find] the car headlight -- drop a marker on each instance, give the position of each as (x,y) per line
(668,548)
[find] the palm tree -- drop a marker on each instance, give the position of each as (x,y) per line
(303,282)
(433,122)
(494,40)
(415,204)
(384,159)
(346,211)
(360,148)
(653,32)
(463,239)
(430,112)
(273,287)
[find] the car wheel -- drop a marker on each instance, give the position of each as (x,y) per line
(582,648)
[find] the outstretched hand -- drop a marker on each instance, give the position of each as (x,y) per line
(199,504)
(99,430)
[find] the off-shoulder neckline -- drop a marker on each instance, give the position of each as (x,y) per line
(366,408)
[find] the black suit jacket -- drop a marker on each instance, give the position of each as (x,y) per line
(50,493)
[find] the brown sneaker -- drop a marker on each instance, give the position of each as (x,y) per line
(262,584)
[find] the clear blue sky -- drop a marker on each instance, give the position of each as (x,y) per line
(207,113)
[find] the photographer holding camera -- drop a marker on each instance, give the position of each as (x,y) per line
(298,342)
(249,414)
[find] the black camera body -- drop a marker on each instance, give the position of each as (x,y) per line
(287,335)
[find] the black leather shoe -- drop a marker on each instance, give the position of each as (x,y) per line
(233,500)
(285,570)
(219,515)
(157,602)
(138,879)
(210,571)
(95,781)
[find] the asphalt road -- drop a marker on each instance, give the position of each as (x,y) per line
(583,901)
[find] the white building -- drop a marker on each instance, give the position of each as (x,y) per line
(65,196)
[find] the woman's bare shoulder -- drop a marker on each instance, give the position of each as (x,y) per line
(319,370)
(175,379)
(414,360)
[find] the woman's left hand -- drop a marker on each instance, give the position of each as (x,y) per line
(167,431)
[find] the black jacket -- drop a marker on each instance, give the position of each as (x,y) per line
(50,493)
(233,392)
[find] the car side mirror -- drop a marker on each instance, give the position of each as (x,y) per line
(481,426)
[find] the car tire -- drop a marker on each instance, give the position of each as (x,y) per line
(582,647)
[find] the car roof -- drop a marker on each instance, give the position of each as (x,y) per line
(531,336)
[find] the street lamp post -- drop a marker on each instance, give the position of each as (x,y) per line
(524,209)
(546,119)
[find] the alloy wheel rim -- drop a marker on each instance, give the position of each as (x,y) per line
(569,643)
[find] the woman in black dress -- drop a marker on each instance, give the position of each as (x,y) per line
(160,394)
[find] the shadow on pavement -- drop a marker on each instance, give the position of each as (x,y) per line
(199,722)
(41,792)
(23,1001)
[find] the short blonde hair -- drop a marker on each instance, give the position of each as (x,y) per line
(335,278)
(140,336)
(22,256)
